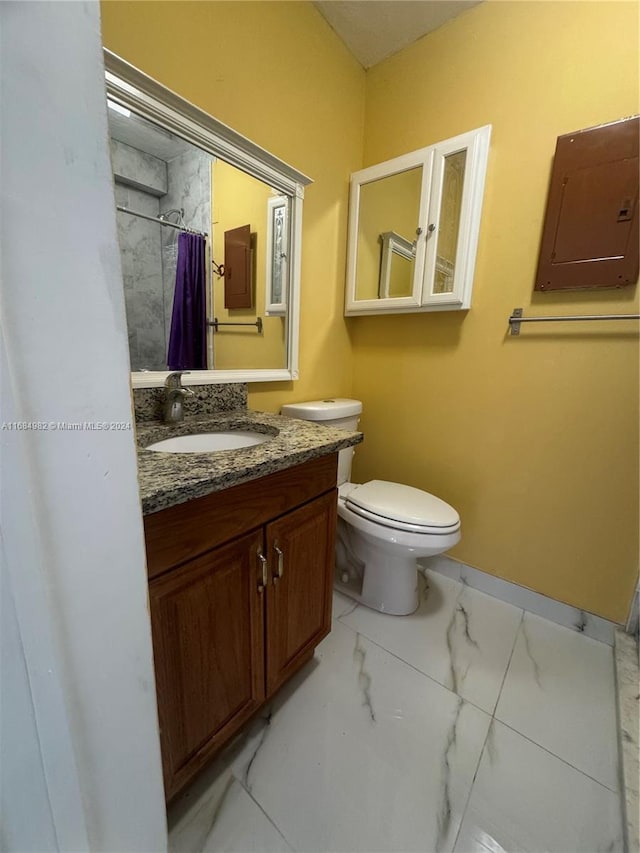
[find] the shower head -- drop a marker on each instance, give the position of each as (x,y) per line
(175,211)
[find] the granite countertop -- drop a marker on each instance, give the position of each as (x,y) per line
(167,479)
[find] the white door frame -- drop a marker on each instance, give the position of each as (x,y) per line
(73,540)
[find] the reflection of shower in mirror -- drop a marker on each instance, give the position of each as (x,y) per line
(176,217)
(163,188)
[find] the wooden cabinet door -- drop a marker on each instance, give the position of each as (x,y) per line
(300,548)
(207,619)
(237,268)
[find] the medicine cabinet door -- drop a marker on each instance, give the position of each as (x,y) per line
(387,213)
(457,187)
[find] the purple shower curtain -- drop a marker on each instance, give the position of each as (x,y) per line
(187,340)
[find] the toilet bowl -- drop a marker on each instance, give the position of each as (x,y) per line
(383,527)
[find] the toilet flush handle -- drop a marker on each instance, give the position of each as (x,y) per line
(280,567)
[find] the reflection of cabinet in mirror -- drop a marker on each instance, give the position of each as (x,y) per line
(396,264)
(237,268)
(413,228)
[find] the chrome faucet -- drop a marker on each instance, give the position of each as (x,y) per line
(174,395)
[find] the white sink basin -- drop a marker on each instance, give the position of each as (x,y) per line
(210,442)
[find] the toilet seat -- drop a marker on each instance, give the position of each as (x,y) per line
(401,507)
(386,537)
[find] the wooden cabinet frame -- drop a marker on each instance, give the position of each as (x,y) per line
(240,594)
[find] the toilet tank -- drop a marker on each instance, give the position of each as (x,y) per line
(339,413)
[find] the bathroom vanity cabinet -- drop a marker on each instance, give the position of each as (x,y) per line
(240,594)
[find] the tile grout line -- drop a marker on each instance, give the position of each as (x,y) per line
(462,585)
(506,671)
(473,782)
(420,671)
(415,668)
(348,612)
(486,737)
(495,719)
(553,754)
(492,714)
(269,818)
(530,740)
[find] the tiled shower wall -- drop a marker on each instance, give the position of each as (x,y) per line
(148,251)
(189,187)
(141,253)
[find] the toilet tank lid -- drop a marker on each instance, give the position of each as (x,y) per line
(323,410)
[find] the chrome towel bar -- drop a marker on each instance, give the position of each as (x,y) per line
(516,319)
(215,323)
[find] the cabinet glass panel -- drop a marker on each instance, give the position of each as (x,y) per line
(449,221)
(387,223)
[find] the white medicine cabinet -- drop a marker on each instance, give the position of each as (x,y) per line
(413,228)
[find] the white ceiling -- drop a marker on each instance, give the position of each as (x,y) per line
(375,29)
(145,136)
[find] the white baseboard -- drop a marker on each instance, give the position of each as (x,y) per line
(633,622)
(626,669)
(556,611)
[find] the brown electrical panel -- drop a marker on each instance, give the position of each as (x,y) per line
(238,292)
(590,237)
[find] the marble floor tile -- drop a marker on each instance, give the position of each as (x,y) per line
(363,750)
(628,690)
(363,753)
(559,692)
(525,800)
(458,636)
(342,605)
(226,821)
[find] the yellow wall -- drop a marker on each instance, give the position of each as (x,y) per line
(276,72)
(534,439)
(238,199)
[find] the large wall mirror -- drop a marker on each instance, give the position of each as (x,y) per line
(209,228)
(413,228)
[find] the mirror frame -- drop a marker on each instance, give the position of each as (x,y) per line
(135,90)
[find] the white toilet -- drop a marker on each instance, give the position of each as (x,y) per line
(382,527)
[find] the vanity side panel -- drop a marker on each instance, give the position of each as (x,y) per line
(182,532)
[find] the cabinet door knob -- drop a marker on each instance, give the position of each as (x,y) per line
(280,567)
(262,583)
